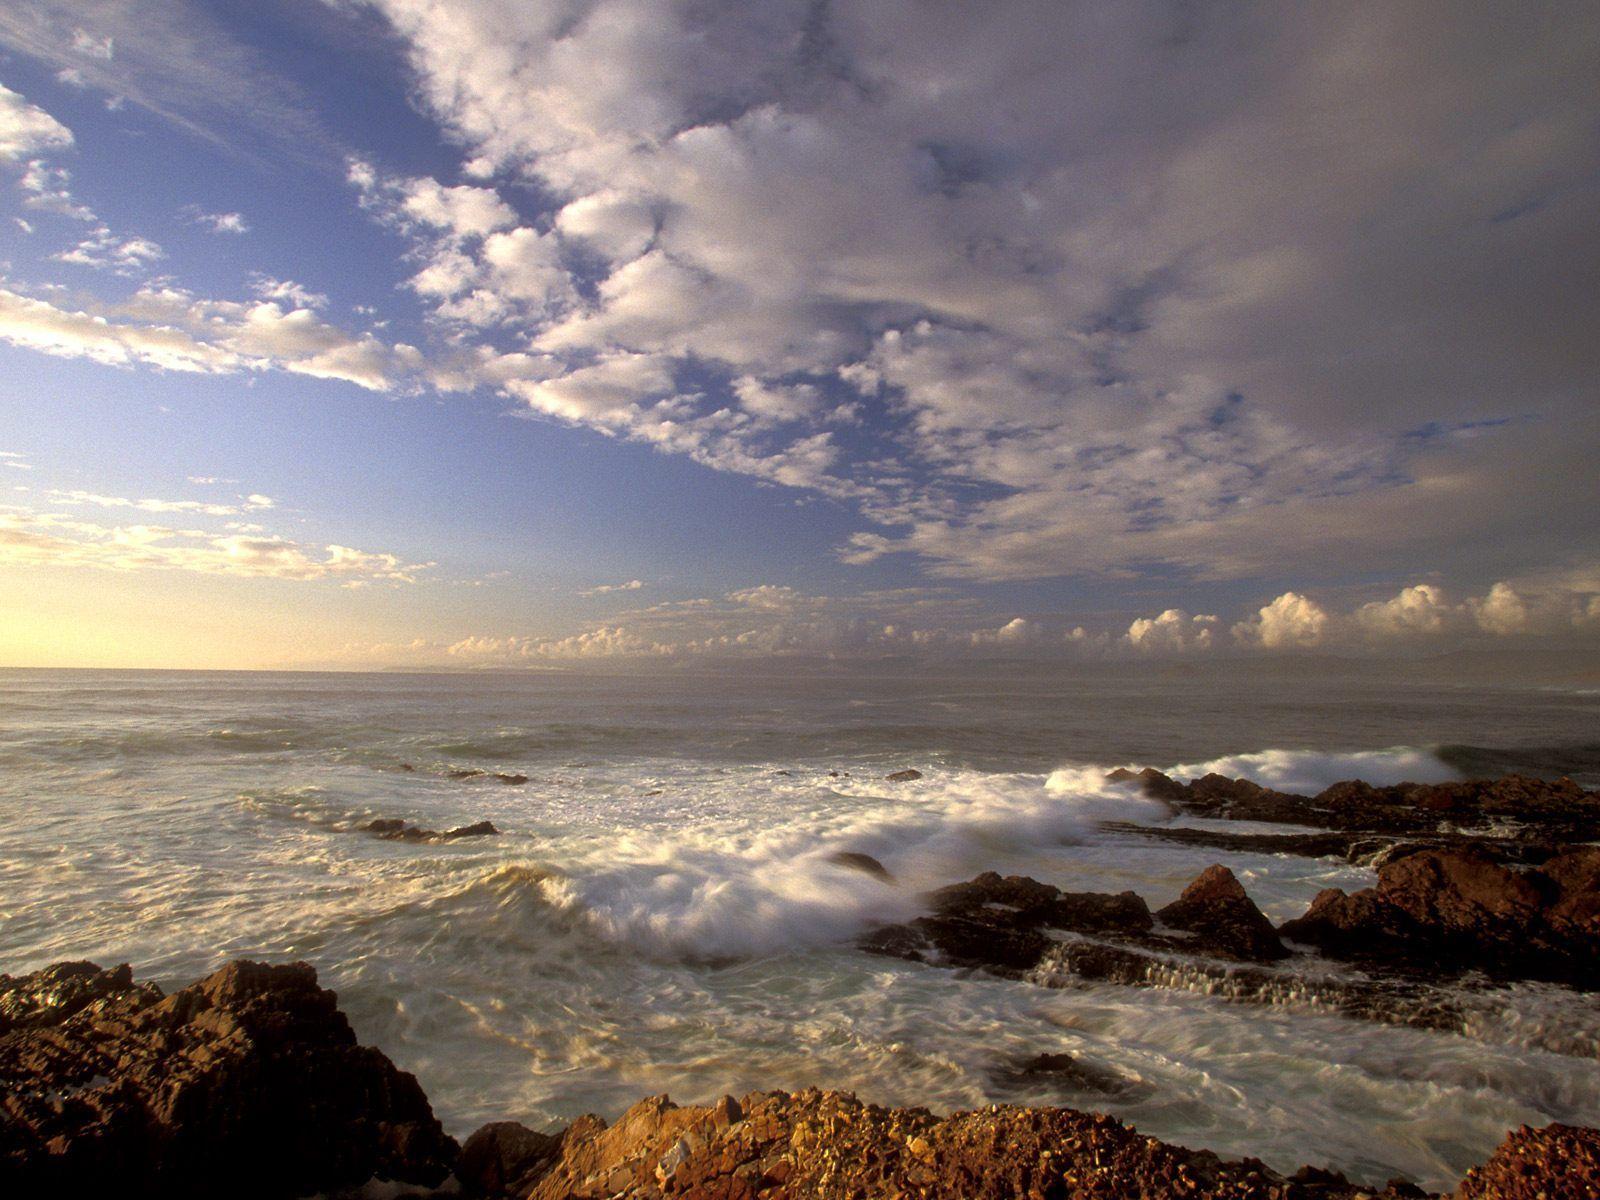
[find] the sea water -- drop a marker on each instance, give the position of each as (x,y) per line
(660,912)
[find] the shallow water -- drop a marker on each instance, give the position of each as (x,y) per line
(660,913)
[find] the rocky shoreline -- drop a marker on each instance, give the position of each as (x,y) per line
(251,1083)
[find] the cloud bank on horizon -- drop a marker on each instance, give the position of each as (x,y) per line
(1282,317)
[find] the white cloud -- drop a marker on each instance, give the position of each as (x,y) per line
(225,222)
(107,251)
(44,539)
(286,292)
(1290,621)
(633,585)
(1415,611)
(1501,612)
(26,129)
(1173,631)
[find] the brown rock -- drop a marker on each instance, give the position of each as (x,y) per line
(1558,1162)
(864,863)
(1224,919)
(905,776)
(497,1159)
(248,1083)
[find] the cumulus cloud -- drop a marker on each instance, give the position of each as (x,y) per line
(1418,610)
(224,222)
(1173,631)
(1501,611)
(605,589)
(26,129)
(1292,620)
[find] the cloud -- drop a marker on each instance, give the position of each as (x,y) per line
(1112,293)
(226,222)
(1501,612)
(1418,610)
(286,292)
(605,589)
(26,129)
(1290,621)
(1172,632)
(106,251)
(44,539)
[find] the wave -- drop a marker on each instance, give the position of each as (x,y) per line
(1307,772)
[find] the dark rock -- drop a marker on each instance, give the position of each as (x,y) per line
(1558,1162)
(465,773)
(497,1159)
(513,780)
(392,829)
(407,767)
(864,863)
(50,996)
(1224,919)
(1066,1072)
(905,776)
(248,1083)
(1456,910)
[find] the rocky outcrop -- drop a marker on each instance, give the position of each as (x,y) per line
(1537,809)
(249,1083)
(393,829)
(783,1146)
(1558,1162)
(1456,910)
(1004,924)
(906,776)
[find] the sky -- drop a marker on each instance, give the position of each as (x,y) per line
(503,333)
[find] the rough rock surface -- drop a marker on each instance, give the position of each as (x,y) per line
(1456,910)
(1558,1162)
(905,776)
(1223,918)
(1537,809)
(828,1144)
(249,1083)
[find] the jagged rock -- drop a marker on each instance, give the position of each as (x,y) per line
(50,996)
(392,829)
(1065,1072)
(513,780)
(1558,1162)
(249,1083)
(1455,910)
(828,1144)
(502,1158)
(864,863)
(905,776)
(1224,919)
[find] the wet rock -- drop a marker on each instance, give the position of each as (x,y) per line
(1457,910)
(1065,1072)
(500,1157)
(1224,919)
(249,1083)
(513,780)
(1558,1162)
(905,776)
(464,773)
(864,863)
(392,829)
(50,996)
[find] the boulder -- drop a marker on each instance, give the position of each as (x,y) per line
(864,863)
(502,1158)
(249,1083)
(905,776)
(393,829)
(1223,918)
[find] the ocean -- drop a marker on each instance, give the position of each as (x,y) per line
(660,912)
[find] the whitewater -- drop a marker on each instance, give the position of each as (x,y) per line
(662,910)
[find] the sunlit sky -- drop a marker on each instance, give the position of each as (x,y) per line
(476,333)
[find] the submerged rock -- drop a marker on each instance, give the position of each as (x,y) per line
(1068,1073)
(249,1083)
(864,863)
(393,829)
(905,776)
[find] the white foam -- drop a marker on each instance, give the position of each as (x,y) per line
(1308,772)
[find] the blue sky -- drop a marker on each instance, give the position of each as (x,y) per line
(404,333)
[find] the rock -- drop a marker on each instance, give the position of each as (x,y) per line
(465,773)
(513,780)
(1456,910)
(497,1159)
(1065,1072)
(392,829)
(905,776)
(1558,1162)
(864,863)
(816,1144)
(50,996)
(249,1083)
(1216,909)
